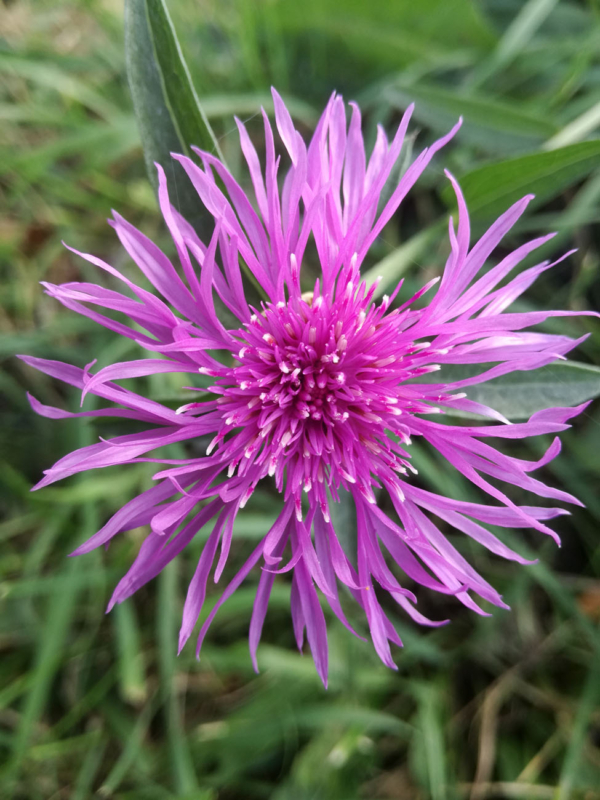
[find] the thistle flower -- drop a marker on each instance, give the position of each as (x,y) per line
(318,388)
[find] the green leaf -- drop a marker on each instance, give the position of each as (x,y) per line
(180,758)
(392,33)
(430,747)
(44,73)
(90,764)
(577,129)
(187,115)
(520,394)
(169,115)
(132,677)
(515,39)
(58,619)
(490,189)
(130,751)
(371,720)
(492,124)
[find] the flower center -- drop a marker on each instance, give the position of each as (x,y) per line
(294,363)
(317,397)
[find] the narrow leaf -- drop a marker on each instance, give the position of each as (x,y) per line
(576,130)
(515,39)
(490,189)
(168,112)
(188,116)
(520,394)
(492,124)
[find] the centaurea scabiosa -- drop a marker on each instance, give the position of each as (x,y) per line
(317,389)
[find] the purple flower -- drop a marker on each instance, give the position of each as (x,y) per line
(316,389)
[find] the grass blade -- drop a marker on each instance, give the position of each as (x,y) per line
(132,679)
(588,706)
(49,657)
(181,762)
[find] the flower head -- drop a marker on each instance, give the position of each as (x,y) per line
(319,388)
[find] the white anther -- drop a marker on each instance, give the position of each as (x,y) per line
(399,493)
(383,362)
(212,446)
(347,475)
(294,268)
(246,496)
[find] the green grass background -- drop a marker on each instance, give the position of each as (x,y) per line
(100,706)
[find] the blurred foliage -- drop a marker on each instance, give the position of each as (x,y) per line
(502,707)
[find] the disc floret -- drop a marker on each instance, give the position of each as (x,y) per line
(316,397)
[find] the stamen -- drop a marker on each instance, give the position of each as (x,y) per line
(292,414)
